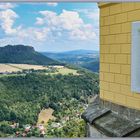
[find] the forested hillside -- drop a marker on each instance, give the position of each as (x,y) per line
(92,65)
(21,54)
(27,90)
(22,97)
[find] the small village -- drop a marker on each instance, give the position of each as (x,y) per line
(53,124)
(29,130)
(70,115)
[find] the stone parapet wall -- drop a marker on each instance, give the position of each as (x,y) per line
(106,119)
(125,112)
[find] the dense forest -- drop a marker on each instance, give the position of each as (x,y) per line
(25,94)
(22,97)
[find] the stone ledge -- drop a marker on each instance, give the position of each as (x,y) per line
(92,114)
(115,126)
(128,113)
(100,115)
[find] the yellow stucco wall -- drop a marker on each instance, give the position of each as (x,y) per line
(115,53)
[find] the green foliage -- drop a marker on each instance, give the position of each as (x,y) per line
(22,97)
(6,128)
(72,128)
(69,120)
(93,66)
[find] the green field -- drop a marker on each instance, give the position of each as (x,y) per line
(66,71)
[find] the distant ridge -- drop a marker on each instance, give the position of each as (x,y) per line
(21,54)
(88,59)
(81,51)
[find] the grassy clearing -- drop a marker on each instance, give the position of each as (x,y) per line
(66,71)
(45,115)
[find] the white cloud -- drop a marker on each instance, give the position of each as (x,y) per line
(52,4)
(32,33)
(52,27)
(29,36)
(92,14)
(85,34)
(49,17)
(70,20)
(39,21)
(67,23)
(7,18)
(67,19)
(88,12)
(41,34)
(4,6)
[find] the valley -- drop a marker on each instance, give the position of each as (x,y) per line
(39,100)
(88,59)
(23,97)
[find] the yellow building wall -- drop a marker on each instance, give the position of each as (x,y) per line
(115,53)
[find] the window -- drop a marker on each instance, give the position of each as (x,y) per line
(135,58)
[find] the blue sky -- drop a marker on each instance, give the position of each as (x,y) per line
(50,26)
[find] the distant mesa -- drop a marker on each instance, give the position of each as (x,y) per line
(21,54)
(16,48)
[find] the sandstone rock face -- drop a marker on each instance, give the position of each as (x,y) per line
(15,49)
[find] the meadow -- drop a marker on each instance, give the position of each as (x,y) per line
(13,68)
(45,115)
(19,67)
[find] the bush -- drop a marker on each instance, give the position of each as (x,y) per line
(5,128)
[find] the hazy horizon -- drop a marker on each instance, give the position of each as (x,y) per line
(63,51)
